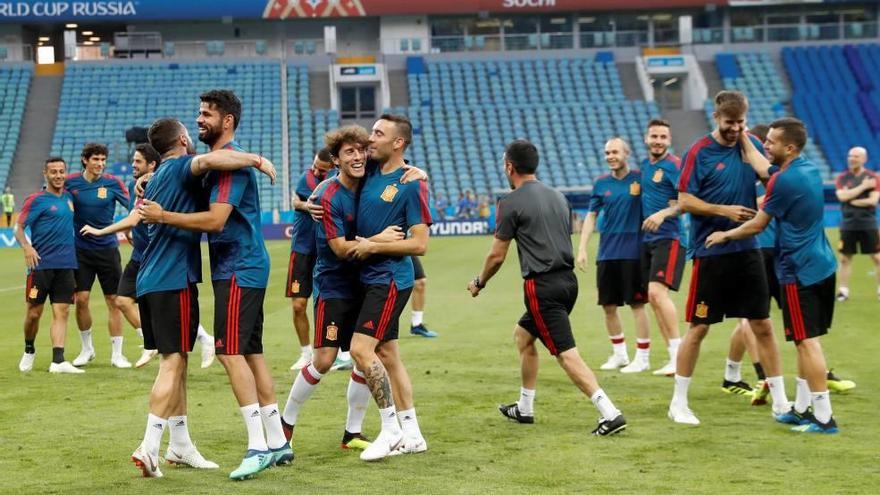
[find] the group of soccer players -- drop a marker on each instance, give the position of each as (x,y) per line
(362,220)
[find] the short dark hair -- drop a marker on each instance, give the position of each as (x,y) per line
(53,159)
(226,102)
(352,134)
(793,131)
(523,155)
(403,125)
(731,103)
(92,149)
(324,155)
(148,152)
(658,123)
(163,134)
(760,131)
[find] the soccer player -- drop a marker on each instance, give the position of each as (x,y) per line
(239,272)
(539,219)
(420,287)
(663,256)
(619,273)
(95,195)
(387,277)
(806,265)
(166,286)
(858,190)
(302,253)
(50,261)
(718,189)
(336,280)
(8,205)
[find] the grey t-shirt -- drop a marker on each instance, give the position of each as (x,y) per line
(539,218)
(857,217)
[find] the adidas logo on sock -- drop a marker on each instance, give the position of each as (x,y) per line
(181,423)
(273,413)
(255,414)
(158,426)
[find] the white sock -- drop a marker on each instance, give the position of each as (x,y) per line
(180,439)
(409,423)
(802,396)
(680,392)
(139,331)
(777,391)
(604,405)
(389,420)
(822,406)
(272,423)
(358,396)
(86,337)
(526,402)
(254,425)
(203,336)
(305,383)
(153,434)
(673,350)
(844,291)
(417,318)
(306,350)
(116,346)
(643,349)
(733,371)
(344,356)
(618,343)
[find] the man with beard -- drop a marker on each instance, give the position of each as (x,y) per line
(618,266)
(718,189)
(144,161)
(166,284)
(95,195)
(662,254)
(240,273)
(805,266)
(50,261)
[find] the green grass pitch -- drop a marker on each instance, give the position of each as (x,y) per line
(74,434)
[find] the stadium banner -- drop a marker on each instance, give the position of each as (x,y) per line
(168,10)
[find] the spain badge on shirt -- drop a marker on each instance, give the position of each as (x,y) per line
(102,193)
(70,204)
(389,193)
(635,189)
(658,175)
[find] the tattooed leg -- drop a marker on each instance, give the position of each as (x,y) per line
(379,384)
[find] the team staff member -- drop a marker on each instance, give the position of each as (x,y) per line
(618,267)
(302,253)
(718,189)
(419,293)
(663,256)
(539,218)
(805,264)
(858,190)
(50,261)
(95,195)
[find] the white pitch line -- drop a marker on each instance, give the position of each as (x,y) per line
(10,289)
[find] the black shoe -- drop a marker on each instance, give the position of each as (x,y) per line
(354,441)
(512,411)
(608,427)
(739,388)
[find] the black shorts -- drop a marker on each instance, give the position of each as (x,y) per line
(299,274)
(549,299)
(867,241)
(418,269)
(380,311)
(56,284)
(334,322)
(128,282)
(620,282)
(170,319)
(103,263)
(732,285)
(663,261)
(769,256)
(807,311)
(238,318)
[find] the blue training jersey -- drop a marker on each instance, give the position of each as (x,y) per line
(384,201)
(767,238)
(50,219)
(620,202)
(303,237)
(139,237)
(796,199)
(172,259)
(239,249)
(717,175)
(335,278)
(95,204)
(659,187)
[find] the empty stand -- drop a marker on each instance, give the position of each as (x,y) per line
(15,80)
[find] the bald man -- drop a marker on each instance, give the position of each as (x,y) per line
(858,190)
(619,277)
